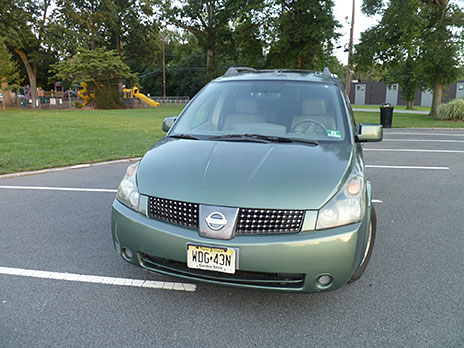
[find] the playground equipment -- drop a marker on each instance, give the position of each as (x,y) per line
(135,92)
(84,94)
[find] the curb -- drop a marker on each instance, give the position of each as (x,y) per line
(62,169)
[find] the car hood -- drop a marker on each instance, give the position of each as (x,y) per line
(239,174)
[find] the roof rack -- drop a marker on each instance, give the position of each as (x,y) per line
(235,70)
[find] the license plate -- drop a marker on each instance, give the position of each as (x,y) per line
(211,258)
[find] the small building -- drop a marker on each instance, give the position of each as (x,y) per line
(377,93)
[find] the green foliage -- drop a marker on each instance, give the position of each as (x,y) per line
(211,22)
(101,70)
(108,97)
(454,110)
(185,68)
(417,41)
(24,26)
(302,32)
(9,73)
(126,26)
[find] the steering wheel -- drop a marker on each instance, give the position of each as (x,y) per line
(312,126)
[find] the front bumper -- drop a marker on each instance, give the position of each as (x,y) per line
(287,262)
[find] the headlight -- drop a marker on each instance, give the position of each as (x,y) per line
(128,194)
(346,207)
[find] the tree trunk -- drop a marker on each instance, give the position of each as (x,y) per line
(410,104)
(118,44)
(437,97)
(5,93)
(32,75)
(209,62)
(300,62)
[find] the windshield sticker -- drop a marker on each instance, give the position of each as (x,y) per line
(334,133)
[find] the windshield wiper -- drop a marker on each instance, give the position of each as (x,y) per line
(262,138)
(183,136)
(304,141)
(242,137)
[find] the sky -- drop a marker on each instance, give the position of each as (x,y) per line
(343,9)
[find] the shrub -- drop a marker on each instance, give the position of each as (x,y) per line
(108,98)
(78,105)
(454,110)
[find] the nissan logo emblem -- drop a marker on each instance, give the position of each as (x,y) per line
(216,221)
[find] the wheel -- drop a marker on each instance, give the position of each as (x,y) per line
(315,125)
(369,247)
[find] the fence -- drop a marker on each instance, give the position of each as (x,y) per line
(44,103)
(51,102)
(135,103)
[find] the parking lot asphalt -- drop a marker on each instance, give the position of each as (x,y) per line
(410,296)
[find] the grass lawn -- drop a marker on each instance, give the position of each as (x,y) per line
(37,139)
(417,108)
(50,138)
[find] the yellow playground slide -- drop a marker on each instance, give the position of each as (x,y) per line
(136,93)
(84,94)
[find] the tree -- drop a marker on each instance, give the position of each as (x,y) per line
(208,20)
(9,75)
(417,41)
(23,24)
(302,33)
(101,70)
(185,67)
(127,26)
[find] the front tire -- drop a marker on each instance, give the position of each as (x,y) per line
(370,246)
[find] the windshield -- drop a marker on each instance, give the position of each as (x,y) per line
(284,109)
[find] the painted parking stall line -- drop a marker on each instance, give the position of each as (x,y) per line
(406,167)
(424,140)
(414,150)
(426,134)
(84,278)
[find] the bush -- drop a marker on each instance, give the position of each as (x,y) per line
(454,110)
(108,98)
(78,105)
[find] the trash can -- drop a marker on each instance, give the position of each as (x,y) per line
(386,115)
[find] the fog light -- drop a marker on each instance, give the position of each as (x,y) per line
(127,253)
(324,280)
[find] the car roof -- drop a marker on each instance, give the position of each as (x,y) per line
(241,74)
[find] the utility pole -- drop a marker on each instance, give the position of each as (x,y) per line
(164,72)
(350,53)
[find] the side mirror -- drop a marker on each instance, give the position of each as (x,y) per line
(369,132)
(168,123)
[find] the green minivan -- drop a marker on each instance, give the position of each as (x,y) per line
(259,183)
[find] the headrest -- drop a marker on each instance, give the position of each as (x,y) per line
(246,106)
(313,107)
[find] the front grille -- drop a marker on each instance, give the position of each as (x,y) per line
(249,221)
(267,221)
(175,212)
(289,281)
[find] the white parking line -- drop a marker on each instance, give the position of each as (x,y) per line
(425,140)
(415,150)
(407,167)
(83,278)
(431,134)
(75,189)
(376,201)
